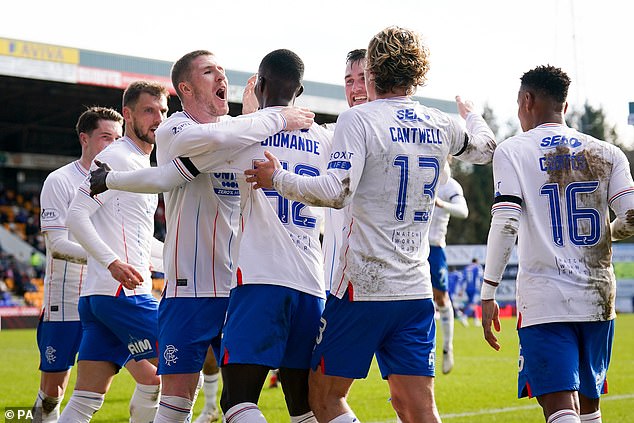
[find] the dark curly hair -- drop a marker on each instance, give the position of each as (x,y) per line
(397,58)
(548,81)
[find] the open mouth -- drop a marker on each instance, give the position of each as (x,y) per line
(359,98)
(221,93)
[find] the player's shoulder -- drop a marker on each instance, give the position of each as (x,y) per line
(116,153)
(65,174)
(320,132)
(517,141)
(175,123)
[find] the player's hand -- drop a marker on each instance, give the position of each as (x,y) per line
(249,100)
(125,274)
(262,175)
(98,178)
(491,317)
(297,118)
(464,107)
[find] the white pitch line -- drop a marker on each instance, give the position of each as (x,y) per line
(511,409)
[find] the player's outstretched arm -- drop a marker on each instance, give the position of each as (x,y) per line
(98,178)
(151,180)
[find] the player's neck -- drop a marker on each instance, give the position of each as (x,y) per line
(85,162)
(276,102)
(146,147)
(550,118)
(200,114)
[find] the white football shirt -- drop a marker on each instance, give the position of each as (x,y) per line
(451,193)
(334,229)
(386,160)
(123,221)
(202,221)
(565,180)
(62,279)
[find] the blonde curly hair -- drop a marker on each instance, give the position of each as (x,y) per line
(397,58)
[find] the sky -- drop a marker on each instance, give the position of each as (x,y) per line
(479,49)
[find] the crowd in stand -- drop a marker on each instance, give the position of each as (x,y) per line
(19,213)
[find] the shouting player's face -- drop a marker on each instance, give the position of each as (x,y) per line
(209,85)
(145,116)
(355,83)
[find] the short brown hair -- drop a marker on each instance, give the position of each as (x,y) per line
(89,120)
(181,70)
(135,89)
(397,58)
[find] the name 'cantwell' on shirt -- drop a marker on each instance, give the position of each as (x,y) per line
(415,135)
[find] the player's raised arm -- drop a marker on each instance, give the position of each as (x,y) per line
(478,143)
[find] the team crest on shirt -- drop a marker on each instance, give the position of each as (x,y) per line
(49,214)
(170,355)
(50,354)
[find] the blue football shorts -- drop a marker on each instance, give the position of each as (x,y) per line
(438,268)
(58,343)
(187,327)
(401,333)
(118,329)
(270,325)
(565,356)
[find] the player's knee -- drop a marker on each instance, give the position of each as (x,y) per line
(399,407)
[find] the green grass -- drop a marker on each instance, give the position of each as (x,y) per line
(481,388)
(624,270)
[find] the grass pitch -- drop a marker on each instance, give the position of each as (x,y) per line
(481,388)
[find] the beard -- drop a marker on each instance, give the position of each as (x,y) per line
(147,137)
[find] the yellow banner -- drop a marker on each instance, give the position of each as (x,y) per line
(37,51)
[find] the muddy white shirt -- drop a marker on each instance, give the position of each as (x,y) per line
(561,183)
(115,224)
(63,279)
(386,160)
